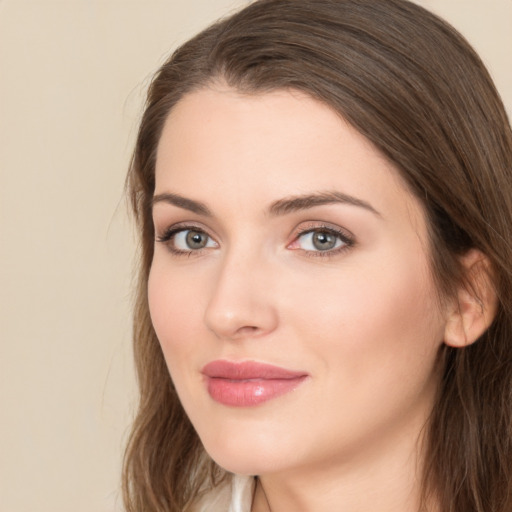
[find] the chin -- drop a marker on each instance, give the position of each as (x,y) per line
(247,453)
(246,464)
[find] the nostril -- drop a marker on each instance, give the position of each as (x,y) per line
(247,329)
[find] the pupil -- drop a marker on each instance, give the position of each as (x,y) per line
(195,240)
(324,241)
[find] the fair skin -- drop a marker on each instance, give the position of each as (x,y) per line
(336,288)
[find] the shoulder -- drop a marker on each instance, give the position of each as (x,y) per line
(234,495)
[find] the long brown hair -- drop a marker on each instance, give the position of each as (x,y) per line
(415,88)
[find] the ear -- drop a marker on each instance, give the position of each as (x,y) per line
(472,311)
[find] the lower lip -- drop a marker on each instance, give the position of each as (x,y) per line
(247,393)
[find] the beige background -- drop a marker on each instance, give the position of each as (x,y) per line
(72,80)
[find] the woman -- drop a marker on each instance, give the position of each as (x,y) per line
(324,309)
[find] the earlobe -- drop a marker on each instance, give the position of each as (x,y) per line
(473,309)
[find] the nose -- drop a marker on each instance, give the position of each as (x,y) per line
(242,303)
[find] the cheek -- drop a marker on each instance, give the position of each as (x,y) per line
(372,339)
(177,316)
(383,321)
(175,309)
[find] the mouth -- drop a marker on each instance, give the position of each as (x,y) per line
(248,383)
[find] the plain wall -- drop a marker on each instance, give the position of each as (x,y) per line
(72,80)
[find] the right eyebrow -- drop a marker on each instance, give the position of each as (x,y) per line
(182,202)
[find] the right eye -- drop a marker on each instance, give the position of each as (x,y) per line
(187,240)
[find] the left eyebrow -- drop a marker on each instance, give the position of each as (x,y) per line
(304,202)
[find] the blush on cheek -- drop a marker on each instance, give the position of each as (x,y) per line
(393,311)
(175,314)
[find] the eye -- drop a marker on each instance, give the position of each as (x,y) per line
(322,240)
(182,240)
(192,239)
(319,241)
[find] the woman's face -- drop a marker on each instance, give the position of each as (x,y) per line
(290,286)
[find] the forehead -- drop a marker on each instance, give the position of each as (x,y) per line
(221,145)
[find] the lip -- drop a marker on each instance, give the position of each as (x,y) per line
(248,383)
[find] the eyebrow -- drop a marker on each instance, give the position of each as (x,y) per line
(182,202)
(279,207)
(304,202)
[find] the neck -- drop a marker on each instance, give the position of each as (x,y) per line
(388,480)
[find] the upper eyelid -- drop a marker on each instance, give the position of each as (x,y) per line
(167,234)
(184,226)
(302,228)
(326,226)
(347,237)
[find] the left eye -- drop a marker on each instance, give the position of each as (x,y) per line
(320,240)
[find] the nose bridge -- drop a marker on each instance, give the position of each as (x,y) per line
(241,303)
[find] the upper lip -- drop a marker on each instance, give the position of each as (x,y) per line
(245,370)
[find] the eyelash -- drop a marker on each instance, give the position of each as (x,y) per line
(346,239)
(167,236)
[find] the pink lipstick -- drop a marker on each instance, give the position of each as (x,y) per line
(248,383)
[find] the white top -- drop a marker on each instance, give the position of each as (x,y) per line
(233,496)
